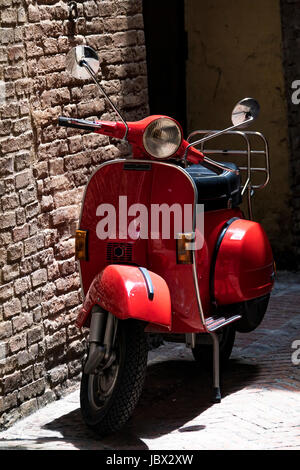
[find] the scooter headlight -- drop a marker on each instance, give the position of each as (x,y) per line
(162,138)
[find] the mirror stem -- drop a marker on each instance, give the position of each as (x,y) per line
(83,63)
(216,134)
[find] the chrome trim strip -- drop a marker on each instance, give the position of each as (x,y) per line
(148,280)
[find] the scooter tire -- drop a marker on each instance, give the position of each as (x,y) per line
(252,312)
(203,353)
(105,407)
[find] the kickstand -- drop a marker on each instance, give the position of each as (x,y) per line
(216,398)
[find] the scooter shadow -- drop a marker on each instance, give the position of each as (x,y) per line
(175,393)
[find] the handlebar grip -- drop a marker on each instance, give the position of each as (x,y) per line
(77,123)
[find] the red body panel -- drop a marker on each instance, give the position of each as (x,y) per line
(213,223)
(122,291)
(158,185)
(244,263)
(244,268)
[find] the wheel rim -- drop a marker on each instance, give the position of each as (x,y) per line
(101,384)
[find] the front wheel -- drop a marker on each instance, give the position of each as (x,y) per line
(109,396)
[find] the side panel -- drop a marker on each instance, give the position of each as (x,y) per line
(213,223)
(244,267)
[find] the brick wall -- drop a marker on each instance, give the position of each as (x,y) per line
(43,171)
(290,18)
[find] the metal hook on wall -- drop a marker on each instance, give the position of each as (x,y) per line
(73,11)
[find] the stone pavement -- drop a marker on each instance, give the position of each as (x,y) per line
(260,408)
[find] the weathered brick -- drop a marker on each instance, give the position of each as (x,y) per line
(7,220)
(21,15)
(6,166)
(57,339)
(34,335)
(53,271)
(40,170)
(21,160)
(14,144)
(20,216)
(47,203)
(50,237)
(10,272)
(22,321)
(34,298)
(68,198)
(10,201)
(32,244)
(5,329)
(32,210)
(20,233)
(17,342)
(48,291)
(58,374)
(67,267)
(33,13)
(23,179)
(6,291)
(65,249)
(56,183)
(5,238)
(13,307)
(64,215)
(39,277)
(8,17)
(15,252)
(71,299)
(32,390)
(9,401)
(26,375)
(28,407)
(27,195)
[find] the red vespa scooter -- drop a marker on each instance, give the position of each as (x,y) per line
(153,261)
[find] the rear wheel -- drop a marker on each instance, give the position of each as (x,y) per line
(252,312)
(203,353)
(109,396)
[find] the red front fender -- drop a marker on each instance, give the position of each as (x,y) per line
(124,291)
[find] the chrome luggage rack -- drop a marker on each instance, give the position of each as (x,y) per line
(248,136)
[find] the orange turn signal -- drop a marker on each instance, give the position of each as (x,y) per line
(184,255)
(81,250)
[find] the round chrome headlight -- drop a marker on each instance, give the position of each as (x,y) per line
(162,138)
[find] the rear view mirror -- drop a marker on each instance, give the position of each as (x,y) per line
(245,110)
(75,59)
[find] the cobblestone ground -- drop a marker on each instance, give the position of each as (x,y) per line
(260,408)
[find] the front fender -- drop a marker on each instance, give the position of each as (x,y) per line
(124,291)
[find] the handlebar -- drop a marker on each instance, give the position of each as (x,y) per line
(112,129)
(78,123)
(117,129)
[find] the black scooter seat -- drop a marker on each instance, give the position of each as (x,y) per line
(216,191)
